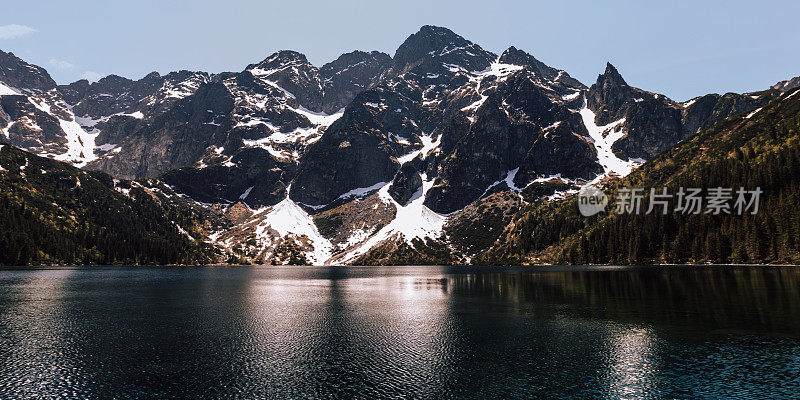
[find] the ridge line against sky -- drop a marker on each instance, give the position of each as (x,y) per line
(682,49)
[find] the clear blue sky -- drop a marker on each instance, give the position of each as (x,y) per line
(679,48)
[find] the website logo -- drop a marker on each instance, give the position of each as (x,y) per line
(591,201)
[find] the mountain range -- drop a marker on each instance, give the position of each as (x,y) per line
(437,154)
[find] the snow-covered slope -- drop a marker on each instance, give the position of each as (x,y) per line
(41,122)
(376,149)
(411,221)
(603,138)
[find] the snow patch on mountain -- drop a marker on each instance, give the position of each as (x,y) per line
(184,88)
(298,136)
(361,192)
(319,118)
(414,220)
(136,114)
(276,153)
(499,70)
(398,139)
(508,180)
(428,144)
(106,147)
(89,122)
(753,113)
(80,144)
(475,106)
(246,193)
(603,138)
(288,218)
(262,74)
(7,90)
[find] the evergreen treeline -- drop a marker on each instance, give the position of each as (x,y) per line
(53,213)
(760,151)
(418,252)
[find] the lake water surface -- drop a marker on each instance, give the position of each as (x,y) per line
(401,332)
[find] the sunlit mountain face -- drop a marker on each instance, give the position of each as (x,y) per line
(421,157)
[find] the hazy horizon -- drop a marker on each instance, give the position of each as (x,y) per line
(680,50)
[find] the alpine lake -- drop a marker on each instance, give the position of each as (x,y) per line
(681,332)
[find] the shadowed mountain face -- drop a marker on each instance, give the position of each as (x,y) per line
(515,126)
(757,151)
(151,95)
(347,76)
(652,122)
(487,114)
(54,213)
(423,136)
(28,78)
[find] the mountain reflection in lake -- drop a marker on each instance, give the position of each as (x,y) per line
(410,332)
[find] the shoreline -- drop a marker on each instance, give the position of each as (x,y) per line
(465,266)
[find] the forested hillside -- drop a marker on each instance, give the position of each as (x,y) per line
(53,213)
(753,150)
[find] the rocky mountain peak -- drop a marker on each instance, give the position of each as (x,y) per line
(75,91)
(608,95)
(350,74)
(787,84)
(611,77)
(112,82)
(292,72)
(516,56)
(282,58)
(17,73)
(152,75)
(355,59)
(442,44)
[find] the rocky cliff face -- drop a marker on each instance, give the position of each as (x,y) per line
(359,150)
(368,151)
(448,92)
(113,95)
(24,77)
(274,106)
(652,122)
(389,121)
(704,112)
(347,76)
(252,176)
(787,85)
(175,139)
(292,72)
(406,184)
(35,117)
(327,89)
(516,126)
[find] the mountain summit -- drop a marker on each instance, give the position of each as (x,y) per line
(358,159)
(442,45)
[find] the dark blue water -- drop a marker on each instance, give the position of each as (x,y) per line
(412,332)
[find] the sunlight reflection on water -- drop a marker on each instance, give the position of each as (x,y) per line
(419,332)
